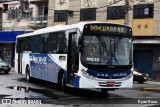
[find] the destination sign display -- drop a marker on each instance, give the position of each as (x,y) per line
(112,28)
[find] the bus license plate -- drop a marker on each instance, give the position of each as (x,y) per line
(110,83)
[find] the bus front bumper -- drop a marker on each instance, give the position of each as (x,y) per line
(109,83)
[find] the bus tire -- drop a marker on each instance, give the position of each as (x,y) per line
(28,78)
(60,75)
(63,84)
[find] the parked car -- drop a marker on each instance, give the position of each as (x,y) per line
(4,66)
(139,76)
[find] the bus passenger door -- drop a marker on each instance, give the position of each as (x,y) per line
(72,56)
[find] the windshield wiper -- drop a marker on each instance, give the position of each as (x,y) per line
(103,44)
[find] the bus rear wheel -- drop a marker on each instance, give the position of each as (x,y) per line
(28,78)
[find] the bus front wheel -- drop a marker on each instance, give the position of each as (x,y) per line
(63,83)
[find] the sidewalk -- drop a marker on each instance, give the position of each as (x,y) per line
(12,69)
(153,89)
(150,86)
(152,82)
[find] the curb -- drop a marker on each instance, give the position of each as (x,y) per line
(152,82)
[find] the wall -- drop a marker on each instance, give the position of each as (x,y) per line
(121,21)
(101,12)
(139,27)
(74,5)
(157,19)
(51,7)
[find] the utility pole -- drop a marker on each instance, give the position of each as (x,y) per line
(42,14)
(127,8)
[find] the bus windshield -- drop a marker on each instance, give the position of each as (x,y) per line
(106,49)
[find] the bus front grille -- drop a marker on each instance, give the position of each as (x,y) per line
(104,84)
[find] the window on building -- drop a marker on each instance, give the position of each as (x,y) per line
(43,9)
(88,14)
(14,14)
(10,14)
(139,26)
(5,6)
(30,12)
(0,19)
(146,26)
(25,9)
(61,15)
(116,12)
(143,11)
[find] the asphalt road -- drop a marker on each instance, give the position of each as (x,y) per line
(14,86)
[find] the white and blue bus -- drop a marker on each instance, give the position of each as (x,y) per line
(84,55)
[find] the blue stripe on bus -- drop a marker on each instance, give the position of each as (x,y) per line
(76,82)
(43,67)
(109,74)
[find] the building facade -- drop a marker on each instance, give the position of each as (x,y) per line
(142,15)
(18,17)
(1,9)
(146,25)
(27,15)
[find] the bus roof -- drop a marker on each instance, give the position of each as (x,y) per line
(62,28)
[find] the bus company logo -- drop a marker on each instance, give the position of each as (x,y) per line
(39,60)
(102,75)
(112,75)
(120,75)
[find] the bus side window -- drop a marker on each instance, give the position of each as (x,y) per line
(27,44)
(62,43)
(51,44)
(56,43)
(37,44)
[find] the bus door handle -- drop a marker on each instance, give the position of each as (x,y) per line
(62,58)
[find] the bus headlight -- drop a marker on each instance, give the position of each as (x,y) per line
(127,77)
(84,73)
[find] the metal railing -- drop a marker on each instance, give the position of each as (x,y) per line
(38,20)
